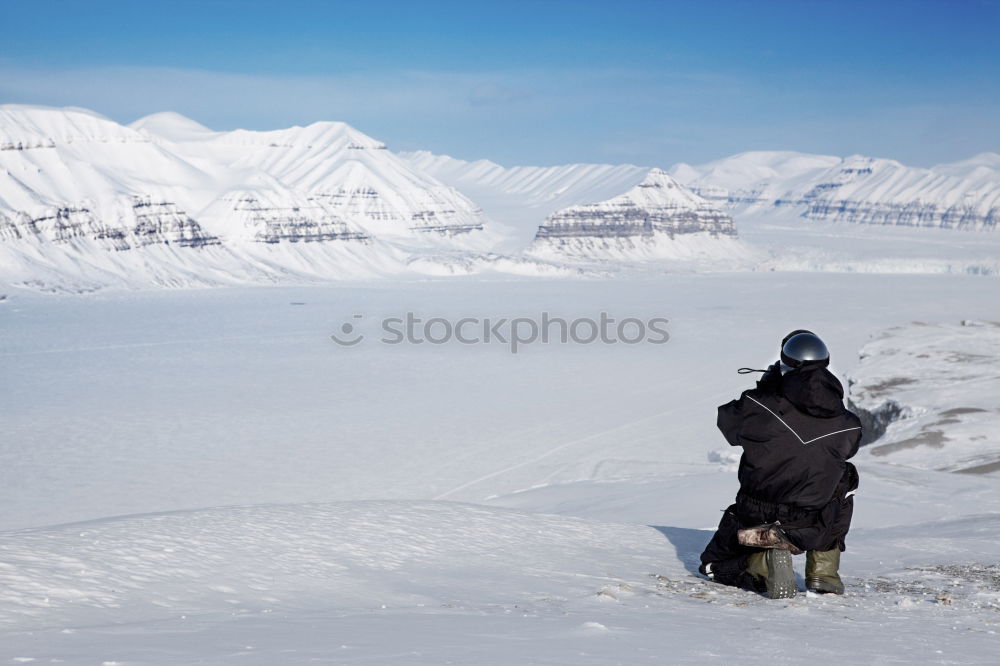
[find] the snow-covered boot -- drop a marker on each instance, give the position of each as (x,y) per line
(774,566)
(769,535)
(821,572)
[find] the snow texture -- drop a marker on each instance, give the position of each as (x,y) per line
(929,391)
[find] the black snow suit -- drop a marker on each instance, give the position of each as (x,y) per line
(797,437)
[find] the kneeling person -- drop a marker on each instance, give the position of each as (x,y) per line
(796,486)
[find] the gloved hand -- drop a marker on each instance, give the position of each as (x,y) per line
(771,381)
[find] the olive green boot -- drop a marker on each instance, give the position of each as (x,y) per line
(821,572)
(774,566)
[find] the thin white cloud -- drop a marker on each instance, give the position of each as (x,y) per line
(134,91)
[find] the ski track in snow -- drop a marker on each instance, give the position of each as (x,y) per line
(566,445)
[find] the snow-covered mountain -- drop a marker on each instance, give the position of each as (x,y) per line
(963,195)
(77,190)
(68,174)
(592,211)
(86,203)
(521,197)
(647,220)
(860,189)
(556,186)
(338,169)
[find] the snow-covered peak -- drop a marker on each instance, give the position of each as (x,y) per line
(981,167)
(748,170)
(317,136)
(987,159)
(659,188)
(172,126)
(75,186)
(857,188)
(23,127)
(520,197)
(684,172)
(657,219)
(48,114)
(865,164)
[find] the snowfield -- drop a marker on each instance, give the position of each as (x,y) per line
(436,582)
(203,476)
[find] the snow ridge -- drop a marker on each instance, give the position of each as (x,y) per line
(858,189)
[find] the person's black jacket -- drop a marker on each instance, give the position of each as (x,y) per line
(796,436)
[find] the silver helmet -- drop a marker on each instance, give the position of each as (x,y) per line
(801,348)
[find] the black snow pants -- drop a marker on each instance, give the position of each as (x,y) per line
(809,529)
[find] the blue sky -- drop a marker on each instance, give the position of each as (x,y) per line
(543,82)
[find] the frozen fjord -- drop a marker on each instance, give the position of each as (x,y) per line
(125,403)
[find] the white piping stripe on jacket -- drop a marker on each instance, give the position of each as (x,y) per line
(793,430)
